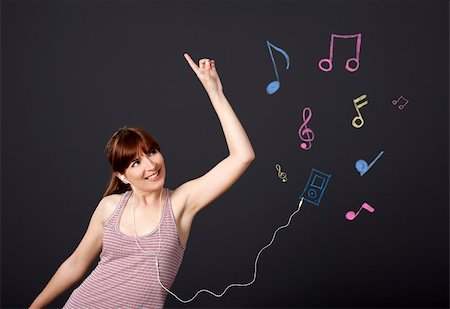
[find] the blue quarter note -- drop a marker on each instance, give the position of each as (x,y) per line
(273,86)
(362,167)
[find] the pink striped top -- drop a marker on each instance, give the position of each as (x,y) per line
(125,277)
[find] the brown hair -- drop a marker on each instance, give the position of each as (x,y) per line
(124,146)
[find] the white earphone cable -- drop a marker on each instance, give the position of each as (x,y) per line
(134,224)
(233,284)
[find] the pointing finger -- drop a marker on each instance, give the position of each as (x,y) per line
(191,62)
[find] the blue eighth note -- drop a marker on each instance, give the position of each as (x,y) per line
(273,87)
(315,188)
(362,167)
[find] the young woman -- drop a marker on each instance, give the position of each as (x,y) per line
(139,228)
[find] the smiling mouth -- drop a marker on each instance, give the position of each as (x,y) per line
(153,176)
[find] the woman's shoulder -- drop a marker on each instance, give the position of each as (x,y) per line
(108,204)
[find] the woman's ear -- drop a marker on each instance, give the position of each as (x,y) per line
(121,177)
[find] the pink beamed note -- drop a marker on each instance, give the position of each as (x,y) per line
(329,60)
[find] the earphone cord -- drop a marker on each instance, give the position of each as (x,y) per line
(134,225)
(233,284)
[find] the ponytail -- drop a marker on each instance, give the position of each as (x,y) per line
(115,186)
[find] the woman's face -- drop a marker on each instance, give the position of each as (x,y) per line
(147,172)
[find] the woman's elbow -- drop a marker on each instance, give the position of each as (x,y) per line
(248,158)
(242,159)
(252,156)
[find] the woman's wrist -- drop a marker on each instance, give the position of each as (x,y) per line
(217,93)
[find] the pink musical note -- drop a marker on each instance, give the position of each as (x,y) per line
(329,60)
(401,99)
(305,133)
(351,215)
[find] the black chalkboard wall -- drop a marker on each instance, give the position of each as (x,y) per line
(75,71)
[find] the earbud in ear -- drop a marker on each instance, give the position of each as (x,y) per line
(122,177)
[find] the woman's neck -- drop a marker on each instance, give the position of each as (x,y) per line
(148,199)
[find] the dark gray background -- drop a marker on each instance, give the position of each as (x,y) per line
(75,71)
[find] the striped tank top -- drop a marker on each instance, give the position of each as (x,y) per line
(126,277)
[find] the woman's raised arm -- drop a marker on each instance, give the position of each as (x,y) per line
(198,193)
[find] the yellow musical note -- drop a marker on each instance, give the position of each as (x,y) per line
(281,175)
(358,121)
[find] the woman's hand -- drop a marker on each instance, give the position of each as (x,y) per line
(206,73)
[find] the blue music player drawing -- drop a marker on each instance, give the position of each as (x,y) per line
(315,187)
